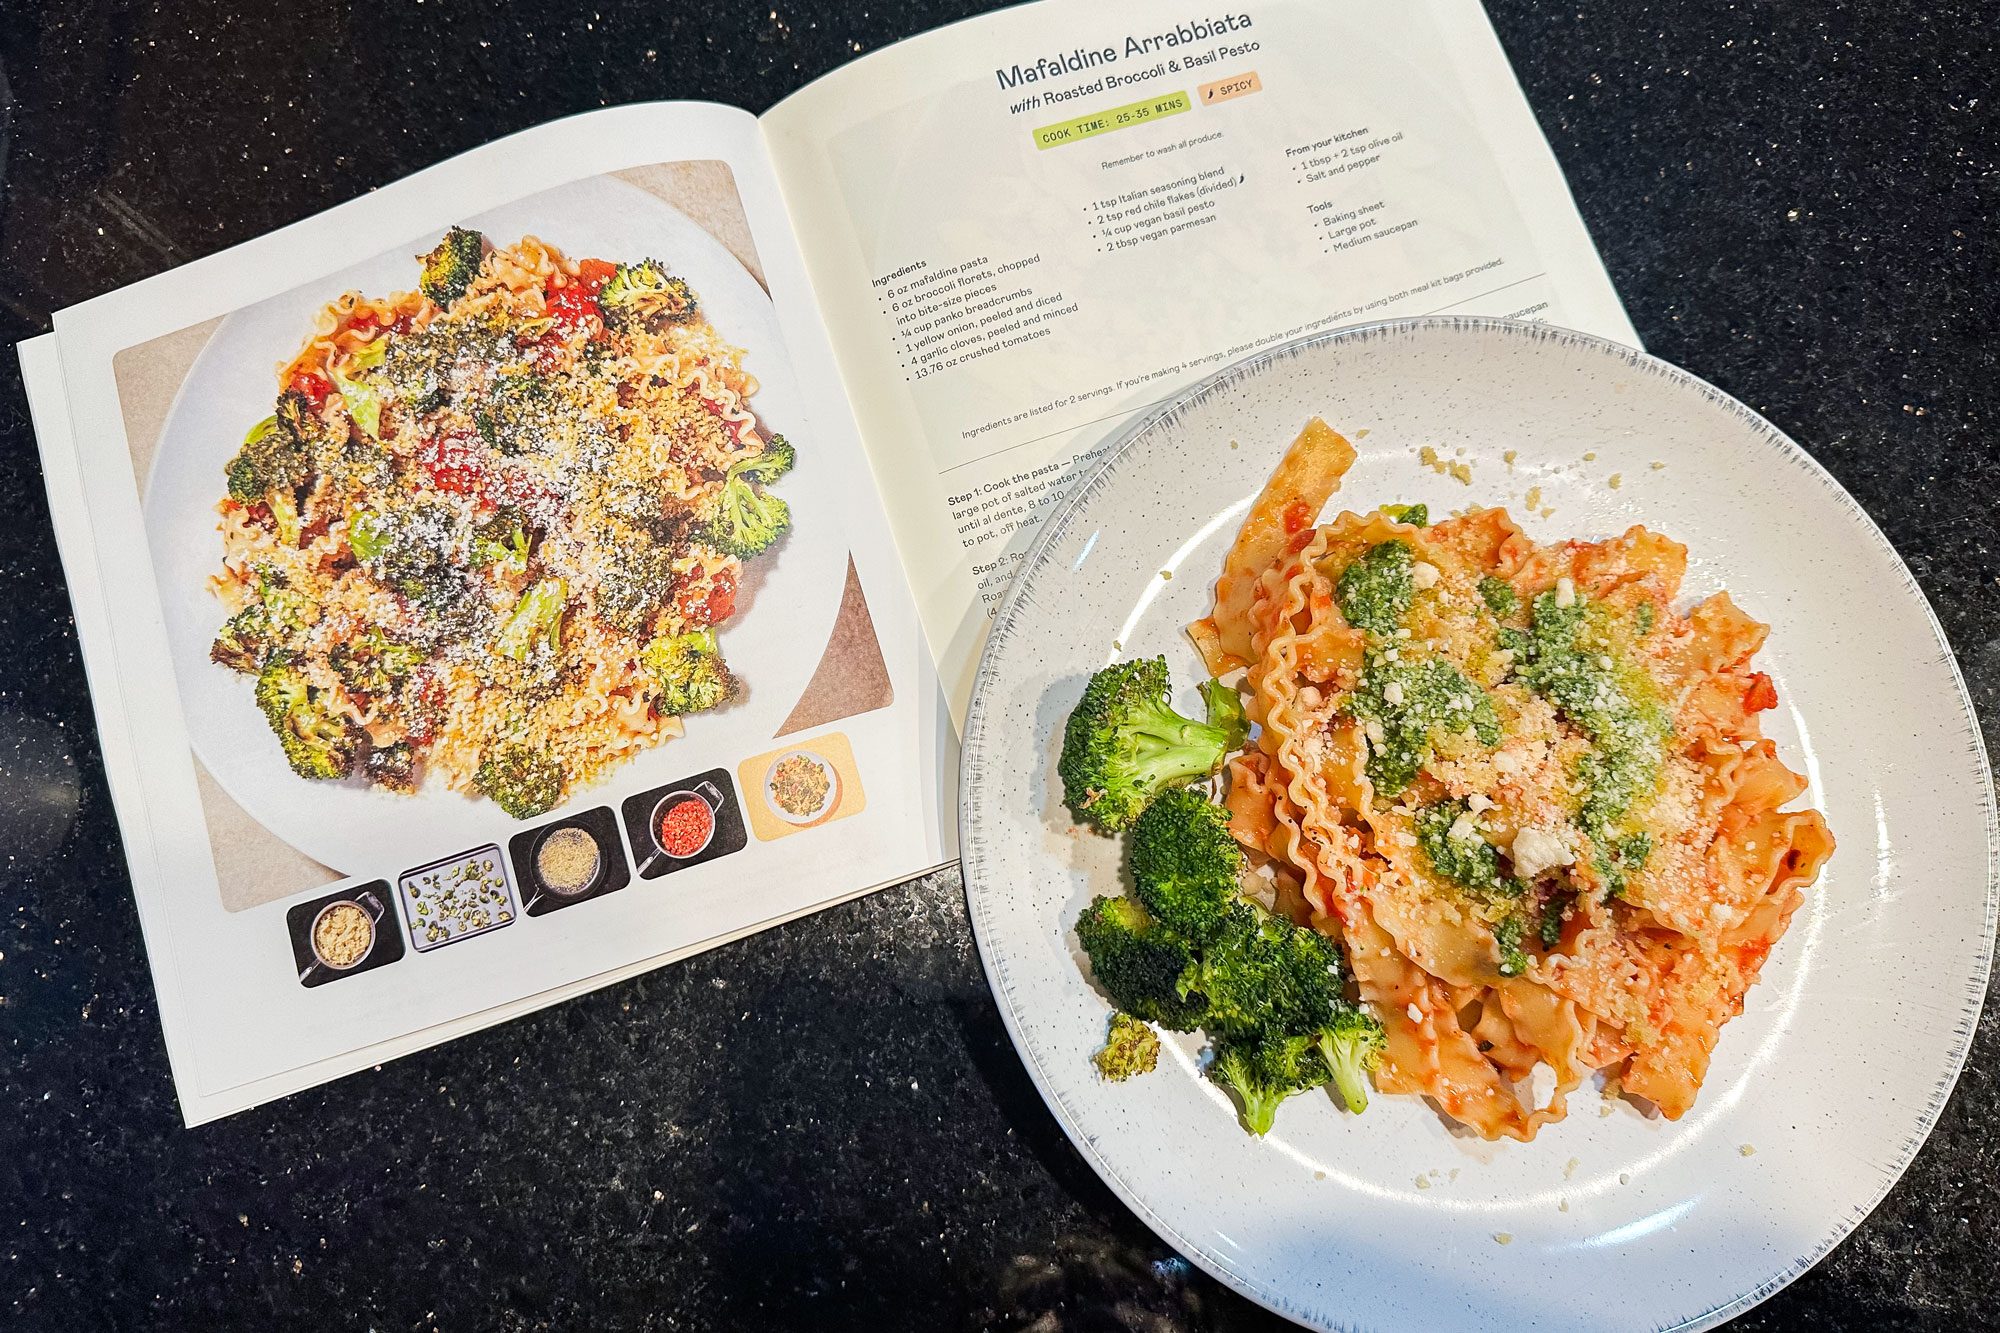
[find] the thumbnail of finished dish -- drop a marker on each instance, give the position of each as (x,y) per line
(1486,805)
(488,532)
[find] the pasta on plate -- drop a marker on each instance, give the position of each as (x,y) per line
(1527,794)
(490,529)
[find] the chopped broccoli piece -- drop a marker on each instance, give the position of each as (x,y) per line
(636,581)
(316,744)
(512,420)
(245,640)
(522,780)
(1124,744)
(742,520)
(393,767)
(1416,515)
(1185,864)
(1263,1070)
(281,690)
(372,663)
(271,461)
(1352,1047)
(537,618)
(776,459)
(1260,972)
(689,671)
(1225,710)
(1131,1047)
(500,541)
(369,534)
(1140,963)
(363,399)
(645,293)
(451,265)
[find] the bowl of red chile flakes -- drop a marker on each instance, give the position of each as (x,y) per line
(683,823)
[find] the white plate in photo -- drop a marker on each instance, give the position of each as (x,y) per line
(786,609)
(826,801)
(1818,1095)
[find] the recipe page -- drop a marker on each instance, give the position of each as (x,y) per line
(484,596)
(1027,228)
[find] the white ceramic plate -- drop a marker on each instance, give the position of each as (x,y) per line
(789,599)
(1819,1094)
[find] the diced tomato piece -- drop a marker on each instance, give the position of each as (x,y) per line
(1298,515)
(1761,695)
(721,601)
(594,273)
(454,463)
(315,386)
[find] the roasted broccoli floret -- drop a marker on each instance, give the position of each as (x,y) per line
(452,265)
(1140,963)
(281,690)
(501,541)
(1351,1046)
(316,744)
(536,618)
(522,780)
(1131,1047)
(393,767)
(513,418)
(245,640)
(742,520)
(645,293)
(1184,863)
(689,671)
(1124,744)
(1261,973)
(1262,1070)
(636,580)
(271,463)
(372,663)
(1225,710)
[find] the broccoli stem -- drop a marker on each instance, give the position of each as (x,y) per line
(1346,1055)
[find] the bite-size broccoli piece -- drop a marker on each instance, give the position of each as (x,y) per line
(1261,973)
(393,767)
(1352,1046)
(1185,865)
(636,580)
(1263,1070)
(372,662)
(689,671)
(513,419)
(451,265)
(536,618)
(244,640)
(316,744)
(742,520)
(521,779)
(267,469)
(645,293)
(1124,744)
(1130,1047)
(1140,963)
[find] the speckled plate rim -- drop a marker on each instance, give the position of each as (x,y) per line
(976,743)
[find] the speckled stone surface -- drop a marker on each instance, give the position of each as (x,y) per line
(825,1128)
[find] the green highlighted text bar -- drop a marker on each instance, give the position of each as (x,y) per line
(1117,118)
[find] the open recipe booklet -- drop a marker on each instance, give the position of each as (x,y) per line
(572,556)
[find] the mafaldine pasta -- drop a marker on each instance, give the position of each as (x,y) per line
(1528,795)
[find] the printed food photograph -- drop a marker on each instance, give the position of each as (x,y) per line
(1439,780)
(496,530)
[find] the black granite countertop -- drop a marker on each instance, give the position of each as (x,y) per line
(825,1128)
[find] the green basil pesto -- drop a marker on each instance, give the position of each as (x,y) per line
(1569,657)
(1499,595)
(1458,853)
(1376,590)
(1643,618)
(1417,515)
(1621,859)
(1507,933)
(1403,705)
